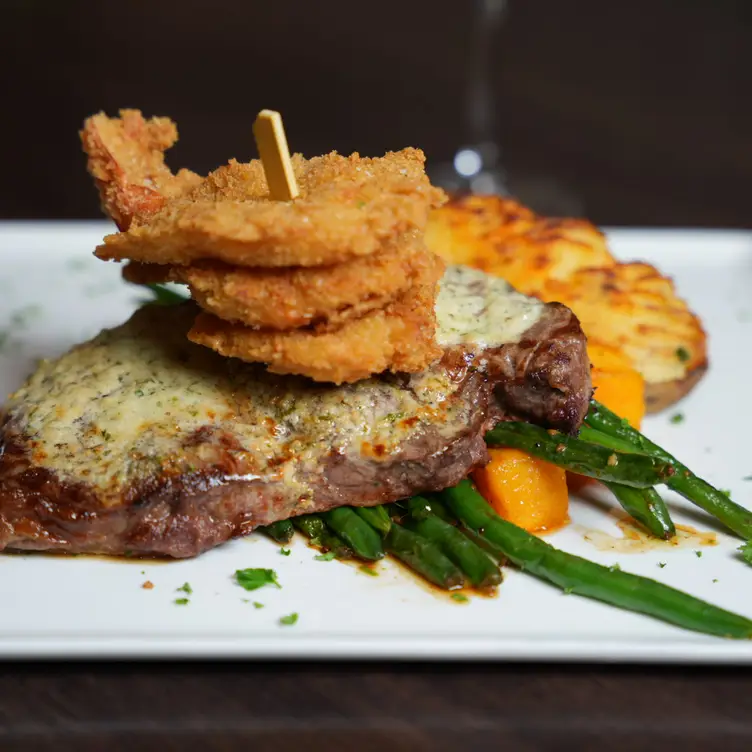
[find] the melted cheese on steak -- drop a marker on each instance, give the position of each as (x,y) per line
(477,310)
(141,400)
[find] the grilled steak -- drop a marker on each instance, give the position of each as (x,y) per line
(139,441)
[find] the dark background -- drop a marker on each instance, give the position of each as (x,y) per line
(633,112)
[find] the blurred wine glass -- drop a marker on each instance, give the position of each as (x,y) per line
(475,167)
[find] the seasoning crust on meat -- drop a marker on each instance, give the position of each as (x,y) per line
(141,441)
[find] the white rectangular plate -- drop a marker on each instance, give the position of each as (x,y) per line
(53,293)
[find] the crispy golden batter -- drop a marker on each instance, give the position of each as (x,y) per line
(348,207)
(505,238)
(288,298)
(399,337)
(629,305)
(126,160)
(336,285)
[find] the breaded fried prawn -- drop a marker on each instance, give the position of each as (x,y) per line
(399,337)
(126,160)
(288,298)
(348,207)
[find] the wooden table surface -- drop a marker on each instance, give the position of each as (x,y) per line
(294,706)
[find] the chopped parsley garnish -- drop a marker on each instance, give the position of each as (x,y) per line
(185,588)
(677,418)
(661,564)
(328,556)
(698,554)
(256,604)
(106,435)
(284,551)
(746,552)
(289,620)
(367,570)
(139,392)
(253,579)
(181,601)
(459,597)
(683,354)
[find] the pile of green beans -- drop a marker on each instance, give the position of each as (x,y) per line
(455,539)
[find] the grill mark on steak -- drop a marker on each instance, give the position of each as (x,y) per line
(212,486)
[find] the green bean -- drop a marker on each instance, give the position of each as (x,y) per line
(576,575)
(682,480)
(579,456)
(280,531)
(496,553)
(319,535)
(165,296)
(424,557)
(356,532)
(647,507)
(376,517)
(436,506)
(472,560)
(594,436)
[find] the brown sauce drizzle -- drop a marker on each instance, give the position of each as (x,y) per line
(636,540)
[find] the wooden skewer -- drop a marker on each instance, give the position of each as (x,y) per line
(275,156)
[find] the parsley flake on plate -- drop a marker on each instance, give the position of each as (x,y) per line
(746,552)
(328,556)
(253,579)
(289,620)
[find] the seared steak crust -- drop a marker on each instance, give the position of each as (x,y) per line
(221,447)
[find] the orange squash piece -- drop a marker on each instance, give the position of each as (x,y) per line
(525,490)
(618,385)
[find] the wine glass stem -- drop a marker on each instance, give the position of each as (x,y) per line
(480,110)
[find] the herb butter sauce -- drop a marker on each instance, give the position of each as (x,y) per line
(476,309)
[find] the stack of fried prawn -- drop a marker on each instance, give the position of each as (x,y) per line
(335,285)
